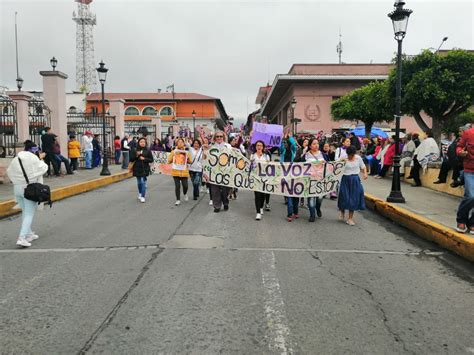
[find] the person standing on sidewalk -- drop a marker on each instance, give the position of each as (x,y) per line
(314,155)
(465,149)
(351,192)
(96,156)
(141,158)
(35,168)
(47,144)
(195,169)
(74,151)
(117,150)
(88,148)
(125,151)
(180,159)
(259,157)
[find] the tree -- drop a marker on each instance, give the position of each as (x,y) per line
(368,104)
(440,85)
(462,119)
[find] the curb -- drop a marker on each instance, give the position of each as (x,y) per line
(424,227)
(6,207)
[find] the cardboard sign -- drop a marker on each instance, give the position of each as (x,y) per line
(270,134)
(228,167)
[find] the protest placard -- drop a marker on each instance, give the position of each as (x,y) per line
(160,163)
(270,134)
(228,167)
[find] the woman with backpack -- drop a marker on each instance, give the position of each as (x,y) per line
(141,158)
(30,163)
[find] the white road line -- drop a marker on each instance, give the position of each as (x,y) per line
(277,323)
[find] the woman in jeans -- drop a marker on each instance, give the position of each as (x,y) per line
(180,159)
(35,168)
(195,169)
(141,158)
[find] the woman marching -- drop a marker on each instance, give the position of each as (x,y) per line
(180,172)
(351,191)
(314,155)
(195,169)
(141,158)
(30,163)
(259,157)
(287,155)
(219,194)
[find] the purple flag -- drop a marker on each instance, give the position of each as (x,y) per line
(270,134)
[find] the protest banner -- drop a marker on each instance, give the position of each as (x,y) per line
(228,167)
(270,134)
(160,163)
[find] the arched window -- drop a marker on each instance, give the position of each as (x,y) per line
(132,111)
(166,111)
(149,111)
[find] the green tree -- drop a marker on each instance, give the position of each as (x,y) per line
(368,104)
(440,85)
(462,119)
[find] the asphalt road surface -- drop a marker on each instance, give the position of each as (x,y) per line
(111,275)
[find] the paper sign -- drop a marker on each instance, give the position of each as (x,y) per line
(270,134)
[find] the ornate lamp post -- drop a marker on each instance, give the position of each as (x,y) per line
(19,83)
(293,106)
(194,124)
(54,63)
(399,17)
(102,71)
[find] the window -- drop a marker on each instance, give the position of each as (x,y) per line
(132,111)
(149,111)
(166,111)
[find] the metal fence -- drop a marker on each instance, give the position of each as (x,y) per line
(39,117)
(8,127)
(79,123)
(140,128)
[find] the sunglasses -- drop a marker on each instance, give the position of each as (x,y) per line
(219,136)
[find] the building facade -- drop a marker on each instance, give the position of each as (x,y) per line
(315,87)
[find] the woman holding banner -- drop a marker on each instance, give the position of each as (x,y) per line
(259,157)
(351,191)
(180,159)
(287,155)
(219,194)
(314,155)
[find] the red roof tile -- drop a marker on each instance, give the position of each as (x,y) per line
(167,96)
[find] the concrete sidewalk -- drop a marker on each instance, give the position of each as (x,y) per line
(437,206)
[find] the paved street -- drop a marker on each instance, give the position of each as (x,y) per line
(111,275)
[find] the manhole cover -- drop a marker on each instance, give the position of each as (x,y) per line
(193,242)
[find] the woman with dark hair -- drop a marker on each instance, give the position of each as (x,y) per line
(195,169)
(351,192)
(180,159)
(157,146)
(141,158)
(34,168)
(315,156)
(259,157)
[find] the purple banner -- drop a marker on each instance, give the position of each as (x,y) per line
(270,134)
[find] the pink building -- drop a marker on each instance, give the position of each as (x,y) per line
(315,86)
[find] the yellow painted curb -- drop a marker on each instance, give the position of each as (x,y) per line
(6,207)
(446,237)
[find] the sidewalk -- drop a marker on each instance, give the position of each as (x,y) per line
(437,206)
(428,213)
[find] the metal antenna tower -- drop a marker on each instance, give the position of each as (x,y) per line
(339,47)
(85,70)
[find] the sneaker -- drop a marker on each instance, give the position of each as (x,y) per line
(30,237)
(139,197)
(195,198)
(461,228)
(312,218)
(210,203)
(289,218)
(186,198)
(455,184)
(258,217)
(177,203)
(350,222)
(319,213)
(261,211)
(296,216)
(217,210)
(142,199)
(267,207)
(22,242)
(226,207)
(471,230)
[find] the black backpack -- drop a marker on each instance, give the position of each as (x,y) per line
(35,191)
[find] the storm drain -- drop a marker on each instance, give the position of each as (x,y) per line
(193,241)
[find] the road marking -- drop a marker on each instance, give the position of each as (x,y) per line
(277,323)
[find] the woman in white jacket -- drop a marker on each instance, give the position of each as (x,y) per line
(35,168)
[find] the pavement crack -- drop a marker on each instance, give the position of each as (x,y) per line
(377,304)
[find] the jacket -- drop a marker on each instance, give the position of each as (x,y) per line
(185,171)
(467,143)
(87,143)
(35,168)
(141,168)
(47,142)
(74,149)
(390,154)
(293,148)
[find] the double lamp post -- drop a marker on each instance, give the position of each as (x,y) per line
(399,17)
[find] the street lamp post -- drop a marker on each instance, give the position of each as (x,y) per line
(399,17)
(19,83)
(194,124)
(102,71)
(293,106)
(54,63)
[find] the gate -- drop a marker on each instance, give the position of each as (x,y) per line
(79,123)
(39,117)
(8,127)
(141,128)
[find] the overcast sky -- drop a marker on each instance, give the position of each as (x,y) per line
(224,48)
